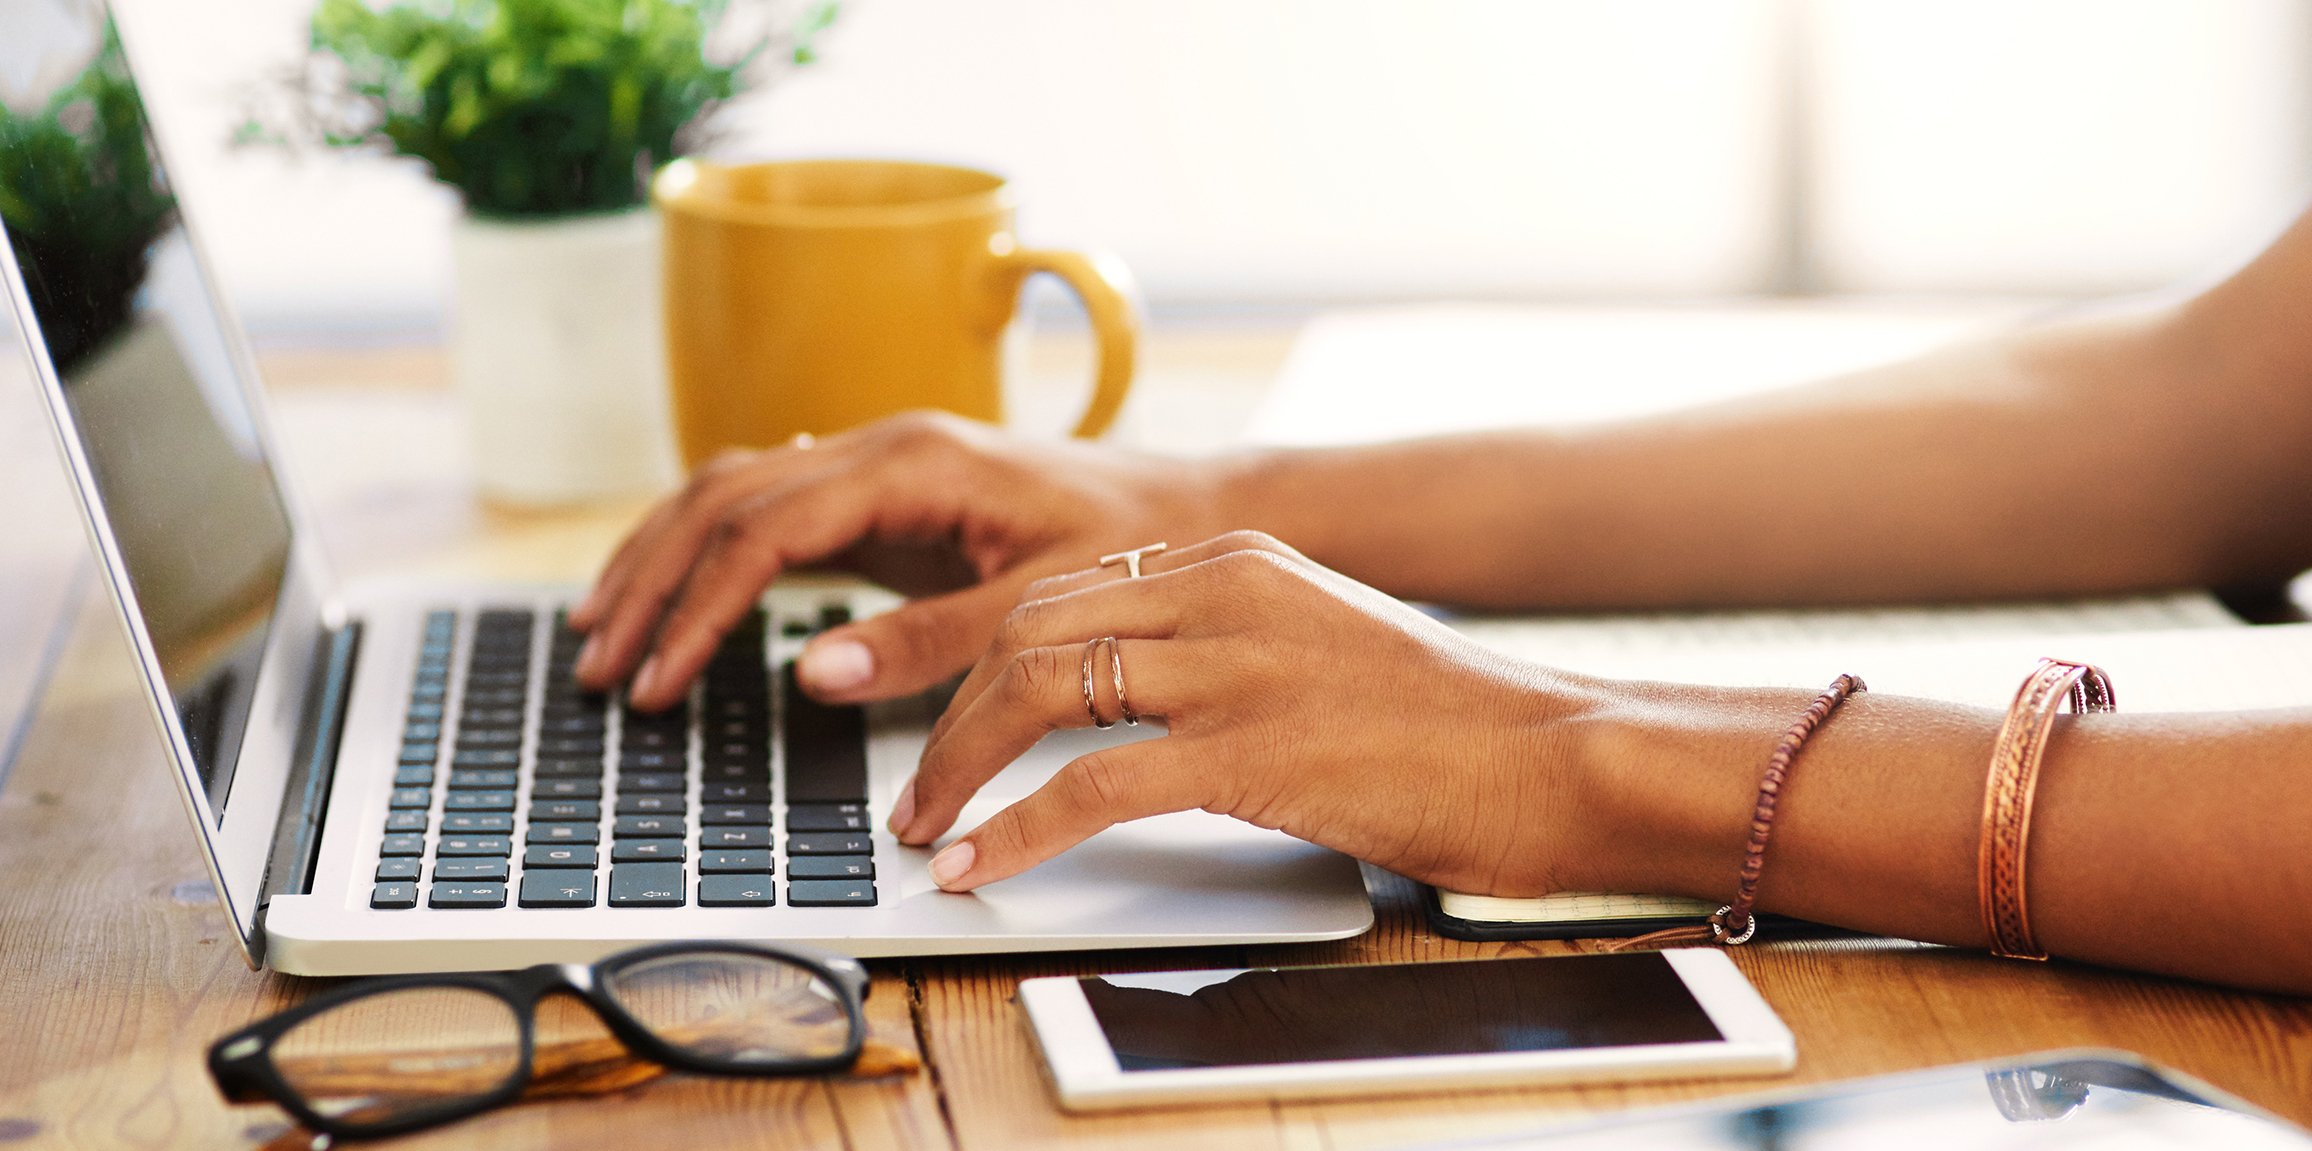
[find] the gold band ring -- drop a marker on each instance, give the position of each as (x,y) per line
(1091,708)
(1130,560)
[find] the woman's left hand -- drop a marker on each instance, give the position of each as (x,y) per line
(1295,698)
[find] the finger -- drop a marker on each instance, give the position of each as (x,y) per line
(1039,691)
(1090,795)
(1154,563)
(796,524)
(1151,607)
(907,649)
(635,588)
(588,611)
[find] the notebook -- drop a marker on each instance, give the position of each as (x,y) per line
(403,775)
(2179,652)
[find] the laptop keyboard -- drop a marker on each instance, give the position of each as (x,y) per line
(517,786)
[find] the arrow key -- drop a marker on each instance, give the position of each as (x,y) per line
(557,888)
(735,891)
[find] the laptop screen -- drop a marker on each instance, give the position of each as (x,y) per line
(157,394)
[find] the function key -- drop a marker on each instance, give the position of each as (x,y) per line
(831,867)
(471,868)
(539,855)
(827,817)
(462,893)
(830,893)
(476,823)
(646,885)
(830,843)
(735,891)
(557,888)
(398,895)
(474,845)
(643,850)
(750,860)
(562,833)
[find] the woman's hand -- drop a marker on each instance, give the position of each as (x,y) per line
(925,503)
(1295,698)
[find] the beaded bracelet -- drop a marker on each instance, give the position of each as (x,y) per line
(2007,795)
(1732,923)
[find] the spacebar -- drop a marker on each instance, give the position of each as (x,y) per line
(826,747)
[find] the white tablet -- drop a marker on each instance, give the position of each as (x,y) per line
(1294,1032)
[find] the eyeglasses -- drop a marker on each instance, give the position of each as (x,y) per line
(401,1052)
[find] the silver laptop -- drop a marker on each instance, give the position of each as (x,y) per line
(403,776)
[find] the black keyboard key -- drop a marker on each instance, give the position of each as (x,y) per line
(470,868)
(639,850)
(566,789)
(476,823)
(657,803)
(490,737)
(397,869)
(830,843)
(646,885)
(630,782)
(558,855)
(479,801)
(739,751)
(795,628)
(557,888)
(465,893)
(565,810)
(735,814)
(500,758)
(421,733)
(410,797)
(508,698)
(647,827)
(735,793)
(403,845)
(830,893)
(673,760)
(398,895)
(421,776)
(757,775)
(482,778)
(750,861)
(734,837)
(826,748)
(405,821)
(572,727)
(563,833)
(736,891)
(834,615)
(569,769)
(492,717)
(654,739)
(827,817)
(429,710)
(831,867)
(567,747)
(475,845)
(420,752)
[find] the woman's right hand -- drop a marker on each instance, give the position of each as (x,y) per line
(932,505)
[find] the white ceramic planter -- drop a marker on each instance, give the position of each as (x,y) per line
(559,356)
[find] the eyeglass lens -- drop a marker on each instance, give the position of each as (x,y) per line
(398,1054)
(734,1008)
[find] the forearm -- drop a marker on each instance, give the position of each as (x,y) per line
(2173,843)
(2099,456)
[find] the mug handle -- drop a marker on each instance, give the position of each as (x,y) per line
(1105,286)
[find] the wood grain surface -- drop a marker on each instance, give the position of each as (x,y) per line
(116,970)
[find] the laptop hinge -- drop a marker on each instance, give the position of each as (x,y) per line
(297,835)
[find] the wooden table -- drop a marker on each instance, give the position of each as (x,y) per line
(116,967)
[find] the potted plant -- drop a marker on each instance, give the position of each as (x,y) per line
(548,117)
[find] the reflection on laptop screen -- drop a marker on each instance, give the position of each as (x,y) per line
(156,394)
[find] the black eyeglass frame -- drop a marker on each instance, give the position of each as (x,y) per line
(250,1073)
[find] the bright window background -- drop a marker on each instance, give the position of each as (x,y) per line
(1296,152)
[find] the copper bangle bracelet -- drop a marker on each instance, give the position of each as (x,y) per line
(2001,855)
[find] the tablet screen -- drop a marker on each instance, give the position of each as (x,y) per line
(1170,1020)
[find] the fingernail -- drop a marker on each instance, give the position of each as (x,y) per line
(589,655)
(836,665)
(646,680)
(949,865)
(903,809)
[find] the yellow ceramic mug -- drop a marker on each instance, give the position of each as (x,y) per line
(814,295)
